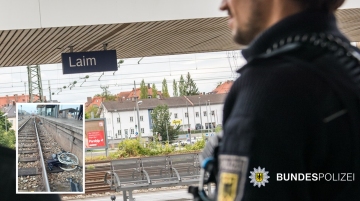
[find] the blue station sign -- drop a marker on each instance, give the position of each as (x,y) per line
(84,62)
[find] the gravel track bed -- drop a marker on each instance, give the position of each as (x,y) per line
(59,182)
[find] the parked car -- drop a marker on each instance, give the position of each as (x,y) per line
(199,127)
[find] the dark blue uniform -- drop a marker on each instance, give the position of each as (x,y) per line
(282,119)
(8,180)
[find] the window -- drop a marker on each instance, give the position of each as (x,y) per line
(119,132)
(205,114)
(213,113)
(141,118)
(197,114)
(118,120)
(132,131)
(142,130)
(126,131)
(131,119)
(186,114)
(175,115)
(151,111)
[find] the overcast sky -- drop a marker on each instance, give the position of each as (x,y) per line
(207,69)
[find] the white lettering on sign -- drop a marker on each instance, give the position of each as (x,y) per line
(83,62)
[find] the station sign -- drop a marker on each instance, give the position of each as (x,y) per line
(85,62)
(95,134)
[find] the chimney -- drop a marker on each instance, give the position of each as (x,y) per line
(14,103)
(16,97)
(149,86)
(89,99)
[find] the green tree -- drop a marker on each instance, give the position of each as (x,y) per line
(2,122)
(7,138)
(143,90)
(161,123)
(182,87)
(154,91)
(190,86)
(93,109)
(175,89)
(106,94)
(164,90)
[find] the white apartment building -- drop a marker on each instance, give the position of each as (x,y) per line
(122,120)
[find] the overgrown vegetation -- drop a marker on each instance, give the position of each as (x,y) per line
(135,148)
(7,139)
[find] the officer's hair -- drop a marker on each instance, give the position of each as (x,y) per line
(326,5)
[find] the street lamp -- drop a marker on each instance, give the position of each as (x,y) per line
(4,115)
(200,114)
(138,117)
(210,117)
(207,114)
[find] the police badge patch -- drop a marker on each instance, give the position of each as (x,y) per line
(232,177)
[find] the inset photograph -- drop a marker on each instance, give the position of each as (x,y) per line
(50,148)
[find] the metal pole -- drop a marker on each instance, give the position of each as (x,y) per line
(112,122)
(25,92)
(207,114)
(120,125)
(189,130)
(49,90)
(210,117)
(167,132)
(137,108)
(200,114)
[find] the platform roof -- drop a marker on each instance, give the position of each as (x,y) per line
(21,47)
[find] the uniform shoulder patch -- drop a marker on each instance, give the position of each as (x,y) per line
(232,177)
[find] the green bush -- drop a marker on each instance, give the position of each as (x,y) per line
(135,148)
(198,145)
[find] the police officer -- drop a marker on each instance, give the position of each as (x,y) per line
(8,180)
(291,120)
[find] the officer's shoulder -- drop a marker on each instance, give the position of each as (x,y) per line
(6,153)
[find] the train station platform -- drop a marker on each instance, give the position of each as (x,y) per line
(78,124)
(67,132)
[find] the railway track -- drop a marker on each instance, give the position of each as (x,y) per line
(94,177)
(36,148)
(31,166)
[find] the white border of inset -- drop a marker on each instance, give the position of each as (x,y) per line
(17,155)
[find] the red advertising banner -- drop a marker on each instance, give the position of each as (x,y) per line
(96,138)
(95,134)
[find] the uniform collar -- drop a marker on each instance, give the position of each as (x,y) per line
(310,21)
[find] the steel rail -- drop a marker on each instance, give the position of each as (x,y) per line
(23,125)
(43,167)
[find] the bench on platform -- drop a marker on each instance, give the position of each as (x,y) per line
(152,172)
